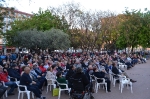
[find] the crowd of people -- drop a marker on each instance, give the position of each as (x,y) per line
(33,70)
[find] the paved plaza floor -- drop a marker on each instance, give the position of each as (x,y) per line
(141,89)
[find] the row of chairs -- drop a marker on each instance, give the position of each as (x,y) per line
(113,77)
(122,81)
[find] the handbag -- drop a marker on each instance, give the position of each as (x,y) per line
(55,91)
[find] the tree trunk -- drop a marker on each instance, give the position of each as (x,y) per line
(132,49)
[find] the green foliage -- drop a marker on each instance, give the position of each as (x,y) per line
(32,39)
(42,21)
(135,30)
(121,42)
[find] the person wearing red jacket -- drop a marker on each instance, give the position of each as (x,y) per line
(4,78)
(41,67)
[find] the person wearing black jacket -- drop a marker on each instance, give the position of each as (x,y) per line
(116,71)
(101,74)
(69,75)
(31,85)
(80,81)
(13,72)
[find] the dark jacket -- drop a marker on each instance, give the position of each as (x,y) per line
(80,81)
(13,73)
(69,74)
(25,79)
(59,69)
(68,66)
(99,75)
(115,70)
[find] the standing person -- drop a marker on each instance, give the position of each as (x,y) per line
(79,75)
(69,75)
(31,85)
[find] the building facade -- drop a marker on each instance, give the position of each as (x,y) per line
(10,15)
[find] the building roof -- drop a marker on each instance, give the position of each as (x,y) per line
(17,11)
(20,12)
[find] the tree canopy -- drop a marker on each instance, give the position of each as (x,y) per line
(33,39)
(84,29)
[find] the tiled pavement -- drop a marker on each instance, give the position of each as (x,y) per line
(141,89)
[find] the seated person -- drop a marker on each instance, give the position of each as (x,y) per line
(89,71)
(54,68)
(116,71)
(37,69)
(31,85)
(13,72)
(61,79)
(59,68)
(80,81)
(41,67)
(50,75)
(40,80)
(101,74)
(4,77)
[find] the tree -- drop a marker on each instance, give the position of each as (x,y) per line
(33,39)
(130,29)
(42,21)
(145,29)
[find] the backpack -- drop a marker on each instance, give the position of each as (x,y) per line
(78,84)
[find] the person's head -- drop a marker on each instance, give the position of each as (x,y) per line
(27,70)
(35,65)
(31,67)
(90,67)
(78,70)
(72,67)
(54,66)
(13,66)
(59,74)
(95,69)
(49,69)
(23,67)
(113,64)
(6,65)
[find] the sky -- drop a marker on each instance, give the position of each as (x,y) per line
(117,6)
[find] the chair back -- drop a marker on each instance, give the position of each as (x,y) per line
(96,79)
(125,80)
(52,80)
(23,87)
